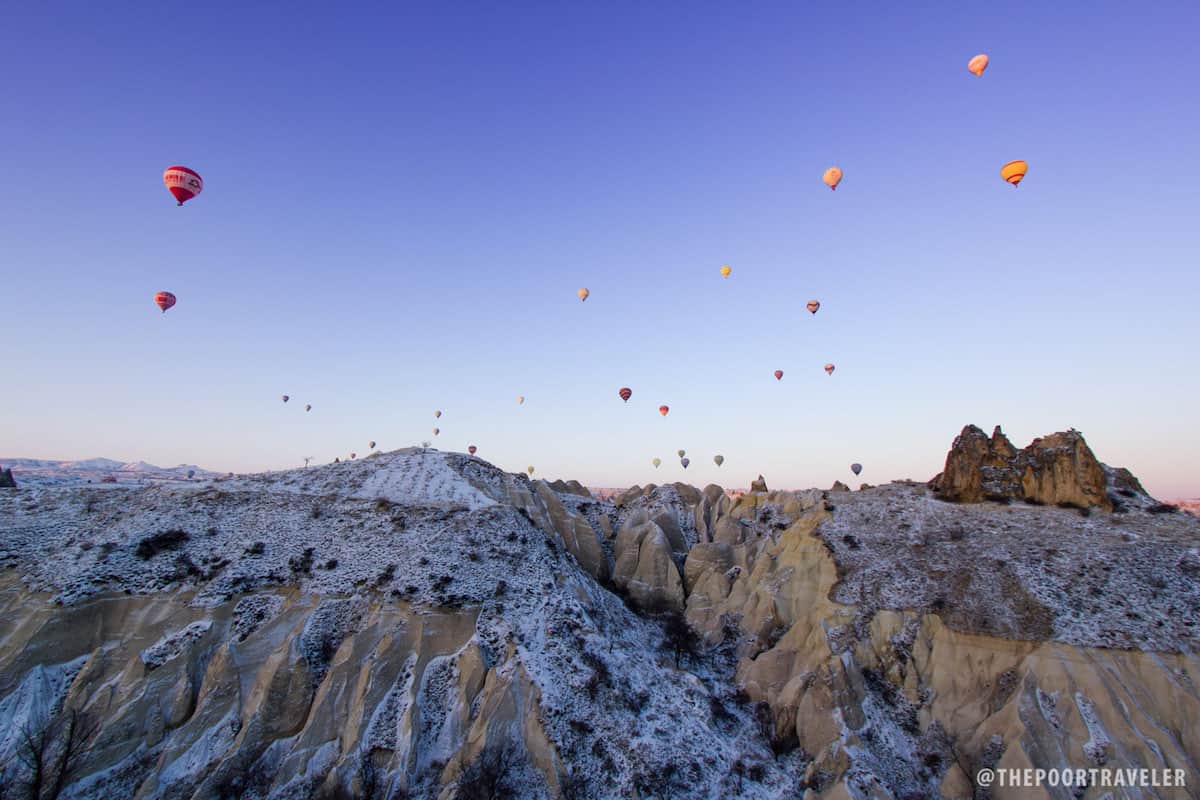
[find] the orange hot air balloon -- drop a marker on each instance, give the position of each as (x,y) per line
(726,270)
(663,410)
(1014,171)
(625,393)
(182,183)
(978,64)
(472,449)
(164,300)
(778,374)
(813,305)
(583,294)
(829,369)
(832,177)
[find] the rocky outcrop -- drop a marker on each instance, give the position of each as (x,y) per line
(7,481)
(1059,469)
(645,569)
(758,485)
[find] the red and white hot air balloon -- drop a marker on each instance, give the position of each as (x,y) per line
(183,183)
(164,300)
(663,410)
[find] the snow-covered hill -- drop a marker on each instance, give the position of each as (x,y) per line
(421,624)
(42,472)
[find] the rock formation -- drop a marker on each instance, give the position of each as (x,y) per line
(423,625)
(7,481)
(1059,469)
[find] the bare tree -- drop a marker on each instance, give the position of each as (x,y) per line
(493,775)
(49,757)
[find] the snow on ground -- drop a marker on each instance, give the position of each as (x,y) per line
(1109,580)
(429,528)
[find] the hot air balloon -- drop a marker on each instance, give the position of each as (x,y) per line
(856,468)
(829,369)
(529,470)
(472,449)
(353,456)
(681,453)
(725,270)
(813,305)
(663,410)
(977,65)
(285,398)
(164,300)
(583,294)
(436,431)
(308,408)
(656,462)
(437,414)
(832,177)
(520,399)
(371,445)
(685,462)
(625,393)
(1014,171)
(778,374)
(183,183)
(719,460)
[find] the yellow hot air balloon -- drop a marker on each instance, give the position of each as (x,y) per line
(978,64)
(1014,171)
(529,470)
(656,462)
(832,177)
(583,294)
(725,270)
(520,399)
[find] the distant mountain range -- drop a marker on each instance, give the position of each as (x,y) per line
(43,470)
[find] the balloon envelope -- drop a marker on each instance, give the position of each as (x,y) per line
(726,270)
(681,453)
(437,414)
(663,410)
(520,399)
(625,393)
(1014,171)
(685,462)
(436,431)
(371,445)
(832,177)
(529,470)
(778,374)
(472,449)
(978,64)
(813,305)
(183,183)
(656,462)
(829,369)
(719,460)
(856,468)
(164,300)
(583,294)
(285,398)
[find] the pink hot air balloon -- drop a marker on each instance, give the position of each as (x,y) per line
(813,305)
(829,369)
(778,374)
(472,449)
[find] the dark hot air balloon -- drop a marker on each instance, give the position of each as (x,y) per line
(625,393)
(164,300)
(856,468)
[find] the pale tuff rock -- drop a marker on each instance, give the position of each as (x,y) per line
(1059,469)
(439,631)
(838,486)
(758,484)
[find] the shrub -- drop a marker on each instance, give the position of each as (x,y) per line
(302,564)
(164,540)
(331,563)
(256,549)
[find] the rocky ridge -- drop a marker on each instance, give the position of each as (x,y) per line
(421,624)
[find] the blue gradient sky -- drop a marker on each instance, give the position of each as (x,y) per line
(400,203)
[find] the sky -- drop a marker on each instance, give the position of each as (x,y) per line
(401,200)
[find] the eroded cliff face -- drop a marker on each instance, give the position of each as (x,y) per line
(423,625)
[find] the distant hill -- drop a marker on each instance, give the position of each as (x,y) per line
(43,471)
